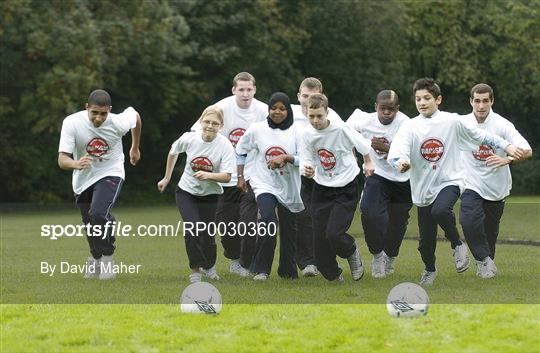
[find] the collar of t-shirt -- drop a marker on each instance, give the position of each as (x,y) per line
(432,115)
(486,120)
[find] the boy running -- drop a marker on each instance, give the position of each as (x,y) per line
(430,145)
(327,157)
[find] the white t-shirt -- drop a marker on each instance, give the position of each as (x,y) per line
(369,126)
(267,143)
(216,156)
(235,122)
(492,184)
(433,147)
(303,121)
(330,152)
(80,137)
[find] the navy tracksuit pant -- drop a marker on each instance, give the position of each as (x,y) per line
(200,246)
(333,212)
(237,206)
(266,244)
(95,204)
(385,207)
(305,242)
(480,221)
(440,212)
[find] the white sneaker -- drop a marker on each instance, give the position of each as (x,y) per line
(195,277)
(260,277)
(378,265)
(428,277)
(310,271)
(210,273)
(92,268)
(106,268)
(355,264)
(244,272)
(235,267)
(491,265)
(389,264)
(461,257)
(486,268)
(339,279)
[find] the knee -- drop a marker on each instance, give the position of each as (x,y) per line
(441,212)
(366,208)
(467,219)
(268,217)
(98,216)
(371,211)
(469,216)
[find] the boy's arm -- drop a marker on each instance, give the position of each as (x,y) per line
(355,120)
(515,138)
(470,133)
(367,167)
(359,142)
(66,161)
(241,151)
(66,147)
(307,157)
(400,149)
(134,152)
(241,182)
(511,134)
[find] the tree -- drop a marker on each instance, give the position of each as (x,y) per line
(357,48)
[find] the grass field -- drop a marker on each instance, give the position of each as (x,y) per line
(268,328)
(468,315)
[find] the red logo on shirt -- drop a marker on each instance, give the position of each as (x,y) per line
(273,152)
(201,163)
(327,158)
(234,135)
(484,151)
(432,150)
(97,147)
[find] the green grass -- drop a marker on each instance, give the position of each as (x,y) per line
(268,328)
(353,318)
(164,269)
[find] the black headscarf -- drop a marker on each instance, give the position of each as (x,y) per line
(283,98)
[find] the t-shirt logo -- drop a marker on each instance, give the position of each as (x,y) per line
(201,163)
(234,135)
(97,147)
(273,152)
(432,150)
(327,158)
(484,151)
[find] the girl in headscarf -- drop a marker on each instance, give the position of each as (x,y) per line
(276,184)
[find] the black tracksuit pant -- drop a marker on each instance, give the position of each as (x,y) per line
(385,207)
(266,244)
(440,212)
(480,221)
(236,206)
(200,246)
(95,204)
(333,212)
(305,253)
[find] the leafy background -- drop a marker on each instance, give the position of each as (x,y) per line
(169,59)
